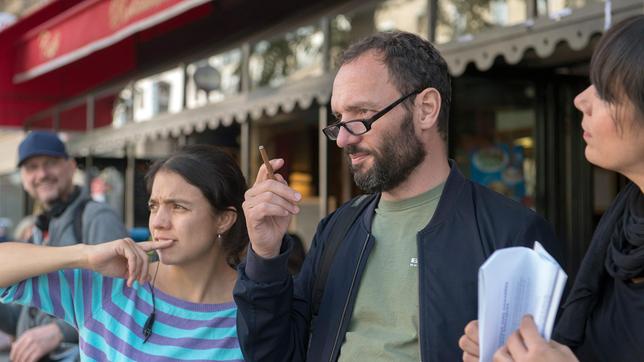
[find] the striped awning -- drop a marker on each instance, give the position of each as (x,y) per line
(542,36)
(242,108)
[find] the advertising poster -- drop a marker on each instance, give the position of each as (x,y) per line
(500,167)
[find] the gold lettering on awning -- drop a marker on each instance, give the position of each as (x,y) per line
(48,43)
(122,11)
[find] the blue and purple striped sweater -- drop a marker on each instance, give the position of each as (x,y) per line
(109,317)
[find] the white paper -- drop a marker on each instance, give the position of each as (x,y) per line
(514,282)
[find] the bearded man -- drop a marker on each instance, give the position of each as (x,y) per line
(403,282)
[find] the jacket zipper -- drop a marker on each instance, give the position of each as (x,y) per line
(420,294)
(346,303)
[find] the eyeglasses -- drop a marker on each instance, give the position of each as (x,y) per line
(361,126)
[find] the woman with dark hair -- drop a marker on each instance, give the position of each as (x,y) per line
(180,307)
(603,316)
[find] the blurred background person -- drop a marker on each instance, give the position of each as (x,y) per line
(68,217)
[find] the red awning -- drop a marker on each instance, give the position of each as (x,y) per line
(91,26)
(66,48)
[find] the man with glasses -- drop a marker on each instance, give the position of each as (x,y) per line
(403,282)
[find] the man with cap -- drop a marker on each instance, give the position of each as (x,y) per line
(68,217)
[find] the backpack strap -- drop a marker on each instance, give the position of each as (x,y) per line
(78,219)
(343,219)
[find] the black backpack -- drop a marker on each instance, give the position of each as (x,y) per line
(78,219)
(42,220)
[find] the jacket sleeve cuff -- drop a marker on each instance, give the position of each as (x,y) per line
(69,333)
(267,270)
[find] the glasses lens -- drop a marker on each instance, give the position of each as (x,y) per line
(332,132)
(355,127)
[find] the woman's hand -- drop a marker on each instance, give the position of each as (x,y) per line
(526,345)
(123,258)
(469,342)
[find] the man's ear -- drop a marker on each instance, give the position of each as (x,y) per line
(429,107)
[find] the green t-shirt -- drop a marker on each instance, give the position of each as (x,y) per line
(384,325)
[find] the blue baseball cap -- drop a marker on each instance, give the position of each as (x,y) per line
(41,143)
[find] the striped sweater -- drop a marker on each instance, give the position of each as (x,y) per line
(110,316)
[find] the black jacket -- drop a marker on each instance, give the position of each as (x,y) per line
(274,311)
(602,318)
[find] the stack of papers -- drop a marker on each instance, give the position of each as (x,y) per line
(514,282)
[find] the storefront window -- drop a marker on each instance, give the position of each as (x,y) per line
(493,135)
(106,109)
(122,108)
(561,8)
(211,80)
(293,138)
(406,15)
(459,20)
(158,94)
(292,56)
(104,106)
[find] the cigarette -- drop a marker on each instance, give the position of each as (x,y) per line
(269,168)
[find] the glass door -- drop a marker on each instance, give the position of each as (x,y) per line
(493,134)
(567,181)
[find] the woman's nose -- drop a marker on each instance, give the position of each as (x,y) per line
(582,101)
(160,219)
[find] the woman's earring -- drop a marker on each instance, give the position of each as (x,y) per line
(219,237)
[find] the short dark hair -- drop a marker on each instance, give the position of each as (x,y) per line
(413,64)
(616,68)
(216,174)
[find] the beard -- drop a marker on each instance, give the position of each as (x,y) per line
(47,191)
(398,156)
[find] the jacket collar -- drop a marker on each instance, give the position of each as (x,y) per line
(453,188)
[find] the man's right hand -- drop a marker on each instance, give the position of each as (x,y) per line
(268,207)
